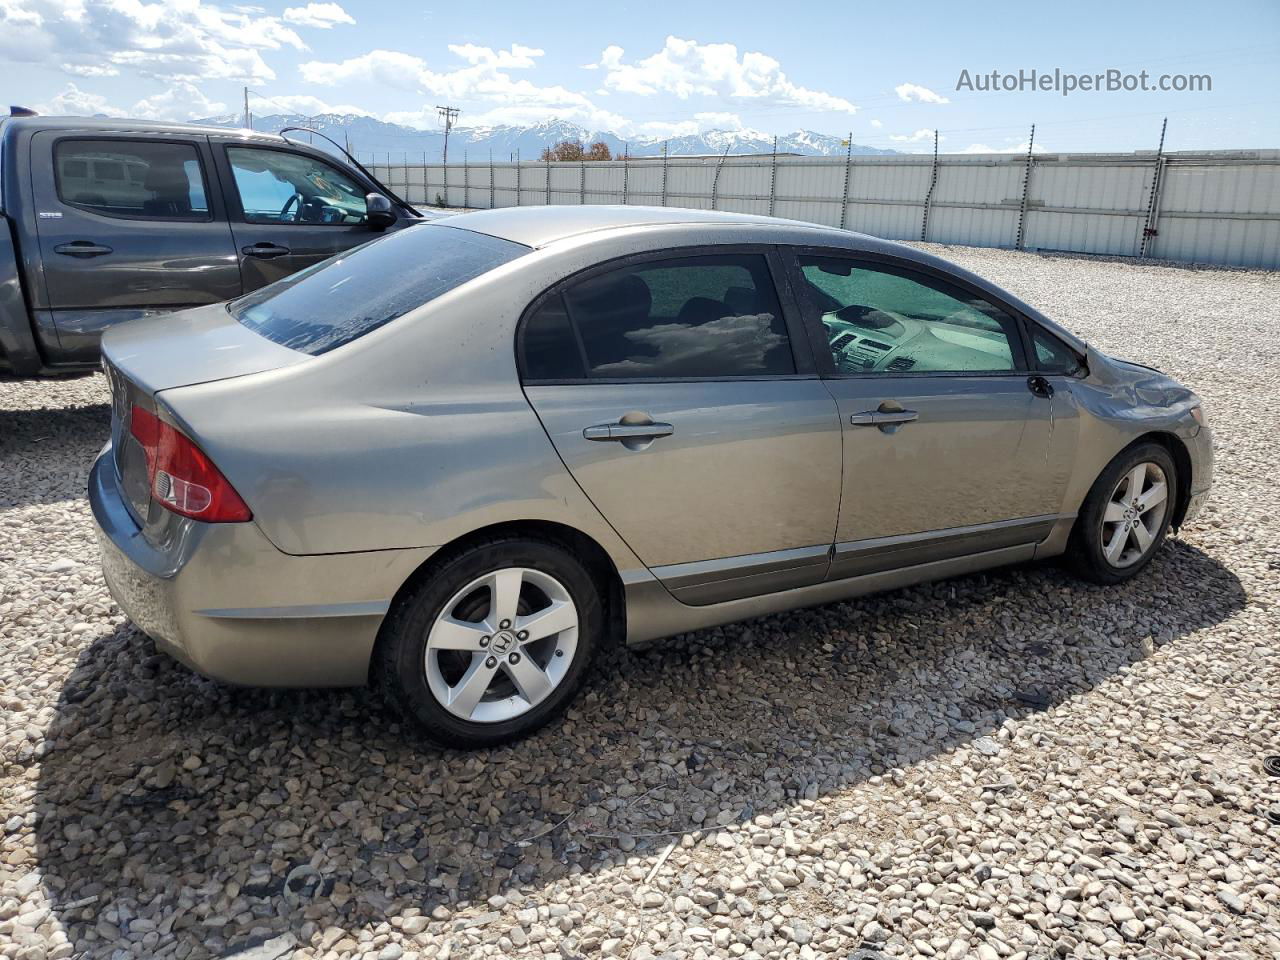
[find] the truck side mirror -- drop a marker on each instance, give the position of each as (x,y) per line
(379,211)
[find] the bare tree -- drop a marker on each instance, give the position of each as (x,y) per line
(572,151)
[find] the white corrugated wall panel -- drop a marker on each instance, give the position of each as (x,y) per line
(1091,186)
(973,226)
(566,183)
(689,183)
(1221,208)
(742,179)
(644,184)
(897,221)
(1083,232)
(1242,243)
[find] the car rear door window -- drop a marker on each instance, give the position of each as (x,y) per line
(345,297)
(881,319)
(687,318)
(152,180)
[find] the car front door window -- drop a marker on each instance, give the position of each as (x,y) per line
(278,186)
(883,320)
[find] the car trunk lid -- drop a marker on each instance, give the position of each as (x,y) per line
(144,357)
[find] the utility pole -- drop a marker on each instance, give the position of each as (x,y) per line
(448,115)
(248,121)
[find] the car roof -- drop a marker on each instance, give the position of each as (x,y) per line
(542,225)
(115,125)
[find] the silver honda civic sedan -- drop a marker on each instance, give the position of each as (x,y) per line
(458,460)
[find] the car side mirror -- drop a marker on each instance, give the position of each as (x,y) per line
(379,211)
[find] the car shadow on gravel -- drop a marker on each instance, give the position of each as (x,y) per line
(173,807)
(45,453)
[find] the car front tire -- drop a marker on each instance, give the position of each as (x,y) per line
(1125,517)
(493,643)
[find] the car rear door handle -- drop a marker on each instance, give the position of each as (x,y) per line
(628,431)
(265,251)
(82,249)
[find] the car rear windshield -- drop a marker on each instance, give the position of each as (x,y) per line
(344,297)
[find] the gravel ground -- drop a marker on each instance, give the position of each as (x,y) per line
(1010,765)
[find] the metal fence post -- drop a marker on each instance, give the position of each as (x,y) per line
(444,176)
(548,179)
(664,172)
(491,195)
(1153,203)
(928,197)
(715,180)
(848,171)
(519,167)
(773,177)
(466,180)
(625,155)
(1027,188)
(582,181)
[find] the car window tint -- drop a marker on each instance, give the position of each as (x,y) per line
(890,321)
(155,180)
(550,347)
(1052,355)
(345,297)
(695,317)
(276,186)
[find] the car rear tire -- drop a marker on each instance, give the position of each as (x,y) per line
(1125,517)
(492,644)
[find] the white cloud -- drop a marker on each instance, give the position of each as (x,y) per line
(182,101)
(913,91)
(700,123)
(688,68)
(322,16)
(75,102)
(486,80)
(181,40)
(920,136)
(91,69)
(877,124)
(304,104)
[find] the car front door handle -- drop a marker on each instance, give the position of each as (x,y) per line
(265,251)
(882,418)
(628,431)
(82,249)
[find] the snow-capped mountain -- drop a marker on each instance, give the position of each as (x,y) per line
(369,137)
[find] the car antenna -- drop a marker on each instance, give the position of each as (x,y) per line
(22,112)
(358,165)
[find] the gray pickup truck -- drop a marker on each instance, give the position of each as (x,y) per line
(103,221)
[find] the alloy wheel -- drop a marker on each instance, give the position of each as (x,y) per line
(501,645)
(1134,515)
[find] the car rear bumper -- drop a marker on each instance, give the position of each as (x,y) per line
(223,600)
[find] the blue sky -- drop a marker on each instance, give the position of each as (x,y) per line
(885,72)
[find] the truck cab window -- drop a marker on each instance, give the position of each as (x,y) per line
(134,179)
(277,186)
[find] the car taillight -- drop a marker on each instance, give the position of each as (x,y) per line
(181,477)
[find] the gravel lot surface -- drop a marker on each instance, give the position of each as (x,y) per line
(1011,765)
